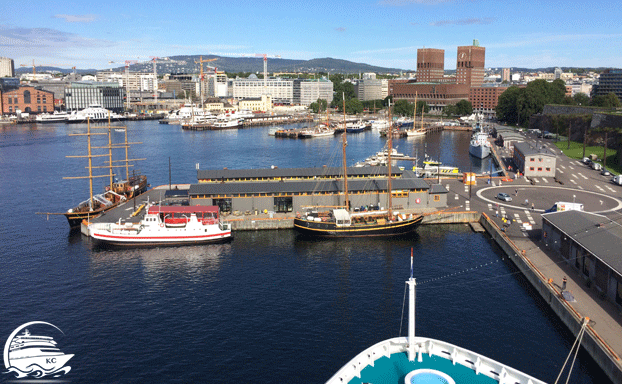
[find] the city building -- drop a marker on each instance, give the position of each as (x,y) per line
(506,75)
(484,99)
(436,89)
(533,161)
(430,65)
(589,243)
(8,83)
(82,94)
(609,81)
(369,89)
(292,189)
(27,99)
(131,81)
(217,84)
(470,65)
(7,67)
(307,91)
(258,104)
(281,90)
(557,73)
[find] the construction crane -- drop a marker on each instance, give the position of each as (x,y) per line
(34,71)
(265,65)
(155,80)
(201,61)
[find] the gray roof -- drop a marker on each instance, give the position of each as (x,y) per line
(215,174)
(305,186)
(438,188)
(596,233)
(529,150)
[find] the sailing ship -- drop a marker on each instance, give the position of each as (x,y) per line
(340,222)
(416,359)
(416,132)
(117,191)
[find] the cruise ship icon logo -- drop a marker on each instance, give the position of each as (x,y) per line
(34,356)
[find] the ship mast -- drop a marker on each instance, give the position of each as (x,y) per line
(390,149)
(345,143)
(412,283)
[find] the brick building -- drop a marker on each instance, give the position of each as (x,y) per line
(430,64)
(470,65)
(27,99)
(485,99)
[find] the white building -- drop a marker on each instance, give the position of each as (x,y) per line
(310,90)
(281,90)
(132,81)
(260,104)
(7,67)
(369,89)
(217,85)
(35,76)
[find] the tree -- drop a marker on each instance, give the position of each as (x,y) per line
(353,106)
(464,107)
(450,110)
(581,99)
(318,106)
(507,106)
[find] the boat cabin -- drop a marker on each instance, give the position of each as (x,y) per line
(180,215)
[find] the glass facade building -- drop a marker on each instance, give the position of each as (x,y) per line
(81,95)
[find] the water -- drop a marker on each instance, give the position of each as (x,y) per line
(269,306)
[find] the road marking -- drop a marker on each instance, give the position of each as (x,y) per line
(571,167)
(573,181)
(456,196)
(559,170)
(611,189)
(599,188)
(562,166)
(580,163)
(580,174)
(545,180)
(467,205)
(489,206)
(580,187)
(536,180)
(573,175)
(129,209)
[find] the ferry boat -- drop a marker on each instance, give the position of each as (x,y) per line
(55,117)
(340,222)
(479,145)
(227,123)
(168,225)
(27,351)
(416,359)
(93,113)
(356,127)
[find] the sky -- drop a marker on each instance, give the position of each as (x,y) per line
(385,33)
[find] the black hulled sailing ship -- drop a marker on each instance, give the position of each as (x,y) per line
(341,222)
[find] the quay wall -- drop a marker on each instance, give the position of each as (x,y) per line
(597,347)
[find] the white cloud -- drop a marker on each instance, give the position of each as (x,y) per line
(76,18)
(340,29)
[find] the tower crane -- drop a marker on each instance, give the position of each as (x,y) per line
(265,65)
(34,71)
(201,61)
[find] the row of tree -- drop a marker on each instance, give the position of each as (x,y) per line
(516,105)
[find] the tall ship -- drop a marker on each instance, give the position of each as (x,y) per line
(341,222)
(94,113)
(479,145)
(29,353)
(421,360)
(117,191)
(166,225)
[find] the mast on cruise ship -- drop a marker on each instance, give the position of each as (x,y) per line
(390,148)
(345,143)
(411,311)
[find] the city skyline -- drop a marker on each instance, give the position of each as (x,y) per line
(384,33)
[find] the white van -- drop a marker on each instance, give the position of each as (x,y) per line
(617,179)
(564,206)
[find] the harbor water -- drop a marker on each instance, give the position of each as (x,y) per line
(270,306)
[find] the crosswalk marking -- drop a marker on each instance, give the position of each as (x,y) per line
(573,175)
(571,167)
(562,166)
(598,186)
(489,206)
(456,196)
(559,170)
(467,205)
(573,181)
(582,175)
(580,187)
(611,189)
(545,180)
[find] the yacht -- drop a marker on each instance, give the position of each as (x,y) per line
(55,117)
(94,112)
(27,351)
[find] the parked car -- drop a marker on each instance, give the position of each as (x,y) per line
(504,196)
(605,172)
(587,160)
(596,166)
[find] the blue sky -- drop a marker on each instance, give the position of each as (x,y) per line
(378,32)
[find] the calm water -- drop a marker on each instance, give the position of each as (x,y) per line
(268,307)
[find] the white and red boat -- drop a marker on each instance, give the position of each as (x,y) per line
(168,225)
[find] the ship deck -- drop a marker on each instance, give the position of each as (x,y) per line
(393,370)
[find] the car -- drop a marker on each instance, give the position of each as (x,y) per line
(605,172)
(587,160)
(504,196)
(596,166)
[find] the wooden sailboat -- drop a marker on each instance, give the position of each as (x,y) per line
(416,132)
(341,222)
(116,192)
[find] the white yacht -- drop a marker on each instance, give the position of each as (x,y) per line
(55,117)
(94,112)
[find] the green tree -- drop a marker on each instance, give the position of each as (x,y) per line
(318,106)
(403,108)
(464,107)
(507,106)
(608,101)
(353,106)
(450,110)
(581,99)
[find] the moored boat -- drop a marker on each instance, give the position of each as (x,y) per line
(55,117)
(167,225)
(93,113)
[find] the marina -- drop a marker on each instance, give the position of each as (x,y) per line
(181,279)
